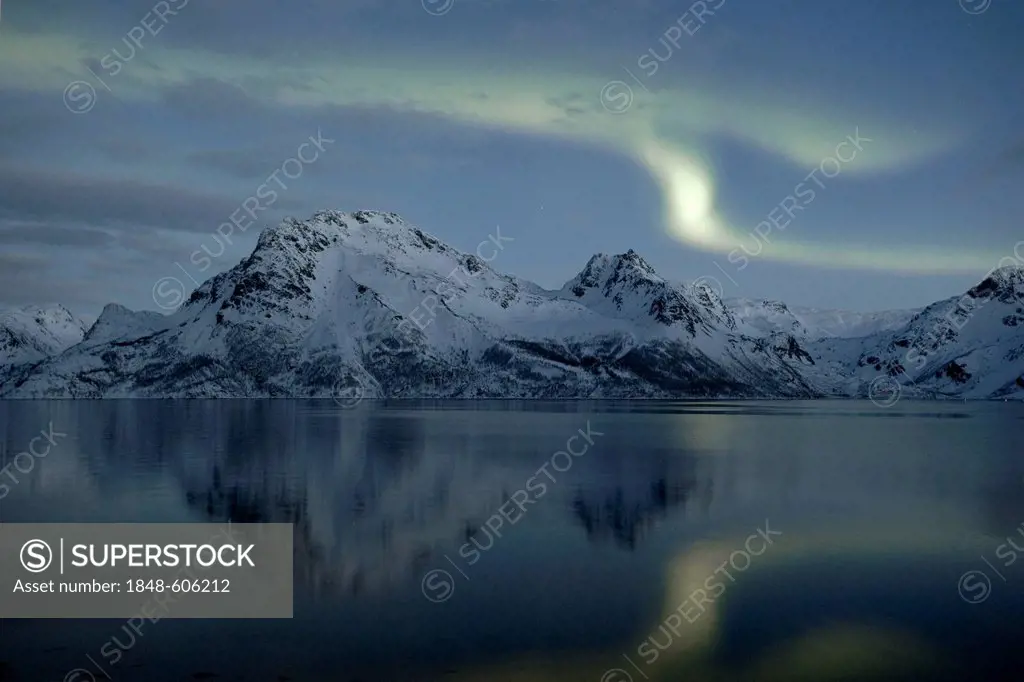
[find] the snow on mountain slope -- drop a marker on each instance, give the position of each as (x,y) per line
(626,287)
(850,324)
(367,299)
(366,302)
(812,324)
(32,333)
(968,346)
(685,328)
(117,322)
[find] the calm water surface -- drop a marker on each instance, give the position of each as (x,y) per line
(643,558)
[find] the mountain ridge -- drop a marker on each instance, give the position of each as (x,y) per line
(34,332)
(331,303)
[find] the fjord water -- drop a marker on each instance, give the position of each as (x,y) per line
(827,540)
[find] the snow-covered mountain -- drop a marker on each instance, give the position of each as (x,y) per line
(366,302)
(118,323)
(811,323)
(969,346)
(33,333)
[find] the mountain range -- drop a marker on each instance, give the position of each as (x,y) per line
(365,304)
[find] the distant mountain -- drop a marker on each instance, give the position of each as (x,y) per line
(33,333)
(366,302)
(117,323)
(813,324)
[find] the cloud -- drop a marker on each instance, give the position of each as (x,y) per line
(27,279)
(245,164)
(50,196)
(126,149)
(1011,159)
(25,118)
(207,97)
(24,233)
(666,131)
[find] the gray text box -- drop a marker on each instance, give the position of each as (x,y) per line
(145,570)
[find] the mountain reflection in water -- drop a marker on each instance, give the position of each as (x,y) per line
(871,509)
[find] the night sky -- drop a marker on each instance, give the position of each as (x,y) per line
(877,146)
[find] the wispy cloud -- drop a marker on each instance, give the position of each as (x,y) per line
(666,131)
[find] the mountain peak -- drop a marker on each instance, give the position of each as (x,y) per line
(117,321)
(1001,282)
(634,259)
(328,226)
(33,332)
(379,233)
(115,309)
(362,216)
(50,309)
(604,271)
